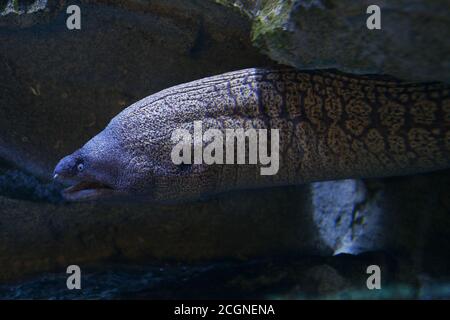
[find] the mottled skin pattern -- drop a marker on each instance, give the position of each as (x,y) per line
(332,126)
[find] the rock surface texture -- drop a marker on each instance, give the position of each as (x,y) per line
(412,43)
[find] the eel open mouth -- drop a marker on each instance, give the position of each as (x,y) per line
(86,190)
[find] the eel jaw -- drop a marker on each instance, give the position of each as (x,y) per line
(87,190)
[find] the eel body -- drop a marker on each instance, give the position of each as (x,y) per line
(331,126)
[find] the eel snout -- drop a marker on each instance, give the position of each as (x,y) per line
(83,190)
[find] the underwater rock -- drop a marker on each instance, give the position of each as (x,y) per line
(11,7)
(406,215)
(301,277)
(412,43)
(347,215)
(60,87)
(41,236)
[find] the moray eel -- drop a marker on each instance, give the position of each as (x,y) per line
(331,126)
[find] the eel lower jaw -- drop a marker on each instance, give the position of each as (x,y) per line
(87,190)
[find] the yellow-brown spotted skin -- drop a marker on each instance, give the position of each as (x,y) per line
(338,126)
(332,126)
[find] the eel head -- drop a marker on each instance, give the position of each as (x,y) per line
(89,173)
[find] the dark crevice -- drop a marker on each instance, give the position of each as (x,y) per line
(17,184)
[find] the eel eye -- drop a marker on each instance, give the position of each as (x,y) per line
(80,167)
